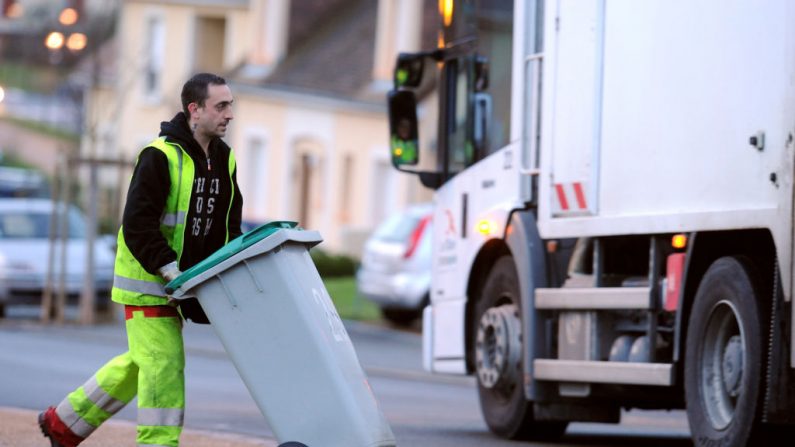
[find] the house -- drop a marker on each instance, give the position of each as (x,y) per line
(309,78)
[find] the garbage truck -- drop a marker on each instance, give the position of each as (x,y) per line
(613,209)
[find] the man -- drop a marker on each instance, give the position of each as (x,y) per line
(183,204)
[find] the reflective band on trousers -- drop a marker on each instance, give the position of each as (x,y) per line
(152,445)
(173,219)
(170,417)
(100,398)
(75,423)
(139,286)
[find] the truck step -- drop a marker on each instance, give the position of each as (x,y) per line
(627,373)
(593,298)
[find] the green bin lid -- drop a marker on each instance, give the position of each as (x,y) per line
(227,251)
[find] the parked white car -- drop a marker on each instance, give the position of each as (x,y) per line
(25,249)
(396,265)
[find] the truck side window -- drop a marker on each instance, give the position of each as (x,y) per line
(494,27)
(461,149)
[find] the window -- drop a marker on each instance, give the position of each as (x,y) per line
(383,200)
(459,132)
(345,189)
(154,54)
(309,183)
(36,225)
(495,32)
(209,49)
(256,176)
(490,23)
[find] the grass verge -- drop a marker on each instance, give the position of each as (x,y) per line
(348,303)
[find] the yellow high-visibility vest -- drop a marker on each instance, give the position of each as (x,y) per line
(132,284)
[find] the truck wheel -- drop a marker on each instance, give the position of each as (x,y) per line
(498,359)
(723,359)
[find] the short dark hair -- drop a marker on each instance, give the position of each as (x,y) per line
(195,90)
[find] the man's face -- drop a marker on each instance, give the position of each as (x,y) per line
(213,117)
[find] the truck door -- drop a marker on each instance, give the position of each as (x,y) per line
(477,159)
(572,108)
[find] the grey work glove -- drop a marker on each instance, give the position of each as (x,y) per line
(169,272)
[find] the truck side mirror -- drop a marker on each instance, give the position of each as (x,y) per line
(403,138)
(481,73)
(408,70)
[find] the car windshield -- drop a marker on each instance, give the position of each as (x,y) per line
(397,228)
(36,225)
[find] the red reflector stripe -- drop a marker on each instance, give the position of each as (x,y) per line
(564,204)
(578,193)
(150,311)
(675,267)
(414,240)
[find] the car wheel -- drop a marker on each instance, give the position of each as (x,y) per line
(723,359)
(2,310)
(400,317)
(498,359)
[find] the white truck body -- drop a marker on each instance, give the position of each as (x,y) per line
(630,121)
(650,106)
(653,124)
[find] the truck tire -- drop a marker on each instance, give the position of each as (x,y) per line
(497,342)
(723,358)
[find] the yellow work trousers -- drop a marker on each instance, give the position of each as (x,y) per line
(153,368)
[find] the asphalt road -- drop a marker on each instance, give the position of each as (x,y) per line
(40,364)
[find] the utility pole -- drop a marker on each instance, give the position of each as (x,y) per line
(48,310)
(88,295)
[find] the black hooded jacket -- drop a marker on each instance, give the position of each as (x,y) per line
(209,203)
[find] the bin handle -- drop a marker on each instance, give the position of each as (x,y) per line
(268,227)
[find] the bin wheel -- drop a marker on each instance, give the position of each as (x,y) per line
(497,342)
(723,358)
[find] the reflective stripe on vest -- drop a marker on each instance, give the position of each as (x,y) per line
(168,417)
(231,167)
(173,219)
(139,286)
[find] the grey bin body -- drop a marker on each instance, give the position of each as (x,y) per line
(276,320)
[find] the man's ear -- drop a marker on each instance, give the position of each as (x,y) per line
(192,108)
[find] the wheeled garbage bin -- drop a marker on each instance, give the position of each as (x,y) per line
(268,305)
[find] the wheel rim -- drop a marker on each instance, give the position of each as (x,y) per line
(498,352)
(722,364)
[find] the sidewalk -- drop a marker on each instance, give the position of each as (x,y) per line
(18,428)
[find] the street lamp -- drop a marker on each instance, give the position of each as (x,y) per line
(54,40)
(68,17)
(76,41)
